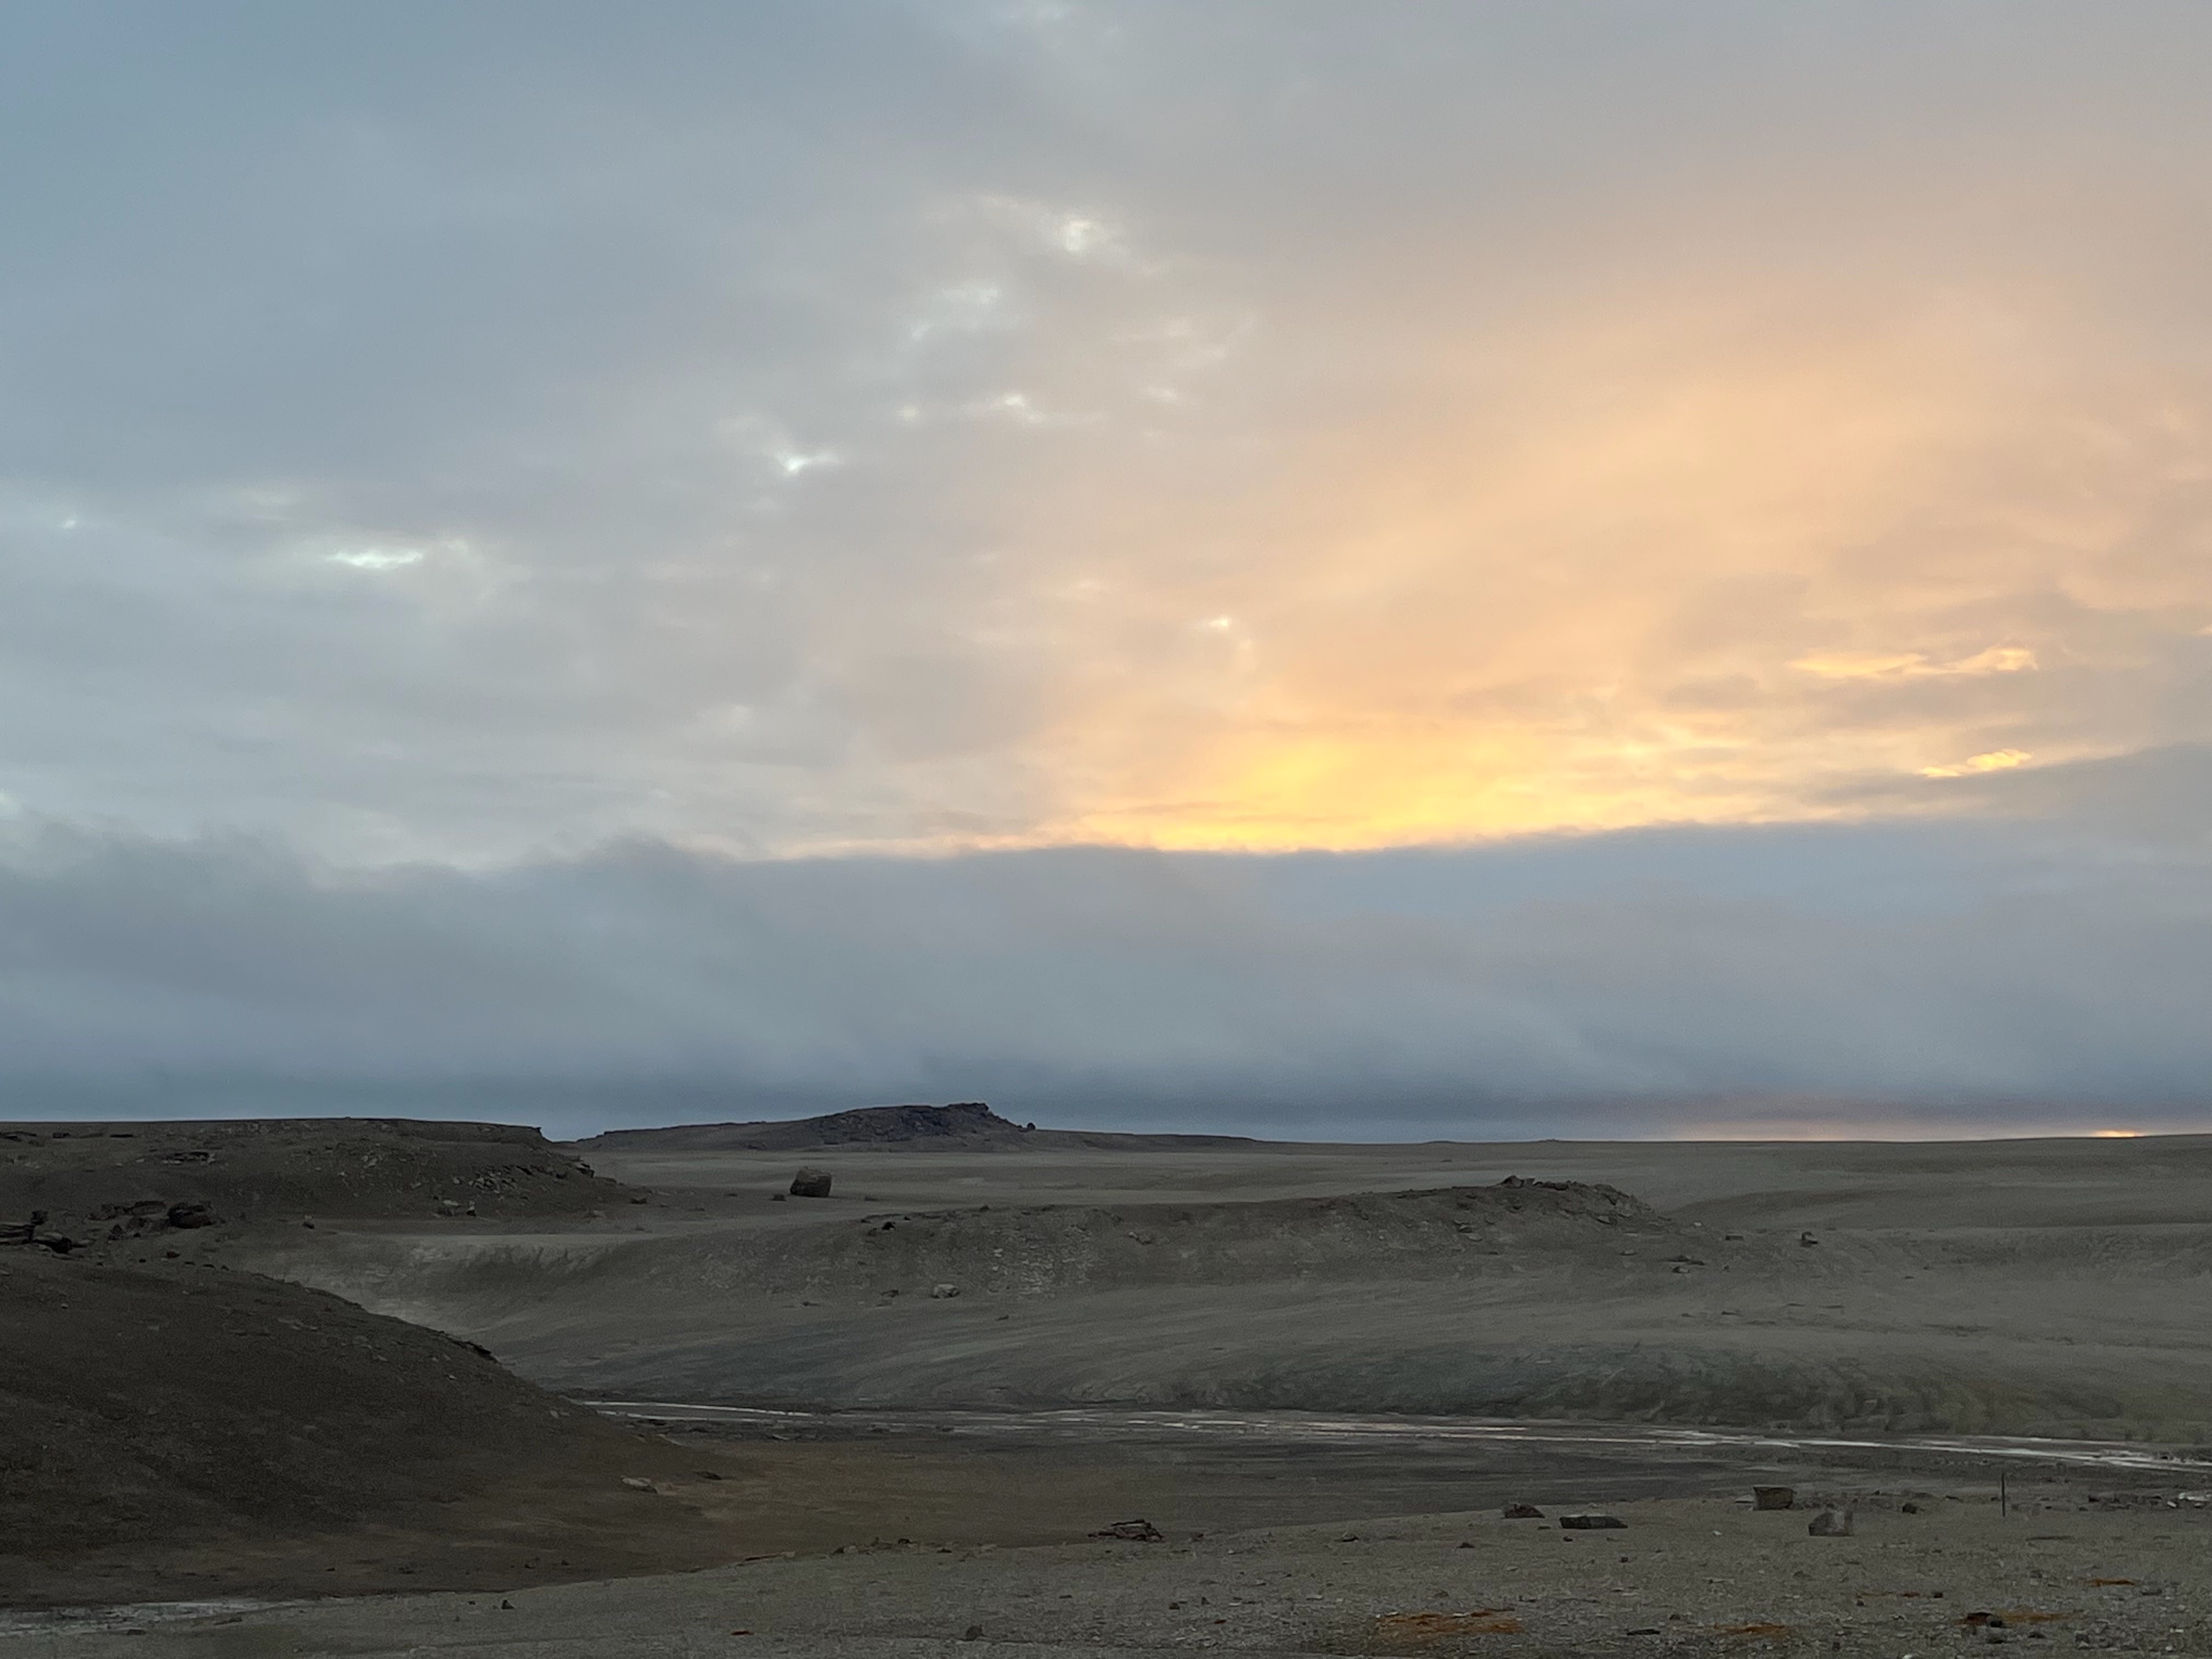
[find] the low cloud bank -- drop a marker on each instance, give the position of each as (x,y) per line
(1986,976)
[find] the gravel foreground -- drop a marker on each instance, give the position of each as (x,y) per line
(1699,1575)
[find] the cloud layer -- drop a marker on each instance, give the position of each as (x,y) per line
(2005,974)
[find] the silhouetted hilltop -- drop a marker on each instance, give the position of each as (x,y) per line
(963,1126)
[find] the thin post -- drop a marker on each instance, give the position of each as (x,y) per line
(2005,1503)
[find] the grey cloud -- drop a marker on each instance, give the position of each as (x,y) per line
(737,449)
(1969,974)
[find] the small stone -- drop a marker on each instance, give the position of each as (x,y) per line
(973,1633)
(1590,1520)
(1830,1524)
(811,1183)
(1521,1512)
(943,1292)
(636,1484)
(1773,1497)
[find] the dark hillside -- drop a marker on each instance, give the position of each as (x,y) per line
(146,1411)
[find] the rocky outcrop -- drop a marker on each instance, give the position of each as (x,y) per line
(110,1182)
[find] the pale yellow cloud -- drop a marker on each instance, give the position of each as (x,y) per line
(1912,665)
(1996,760)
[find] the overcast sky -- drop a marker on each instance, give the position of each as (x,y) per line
(1471,568)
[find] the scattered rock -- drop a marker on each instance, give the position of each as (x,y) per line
(636,1484)
(1807,1239)
(1830,1524)
(973,1633)
(1773,1497)
(811,1182)
(943,1292)
(1134,1532)
(1908,1509)
(193,1212)
(1590,1520)
(1521,1512)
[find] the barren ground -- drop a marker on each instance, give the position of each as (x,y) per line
(1685,1575)
(997,1350)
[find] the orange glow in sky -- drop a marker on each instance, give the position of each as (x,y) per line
(1696,566)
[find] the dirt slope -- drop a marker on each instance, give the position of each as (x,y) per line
(1035,1251)
(155,1410)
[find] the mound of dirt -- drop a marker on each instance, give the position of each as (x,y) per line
(103,1183)
(1052,1248)
(1031,1251)
(172,1406)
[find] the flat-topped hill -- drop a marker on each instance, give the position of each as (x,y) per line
(964,1125)
(969,1124)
